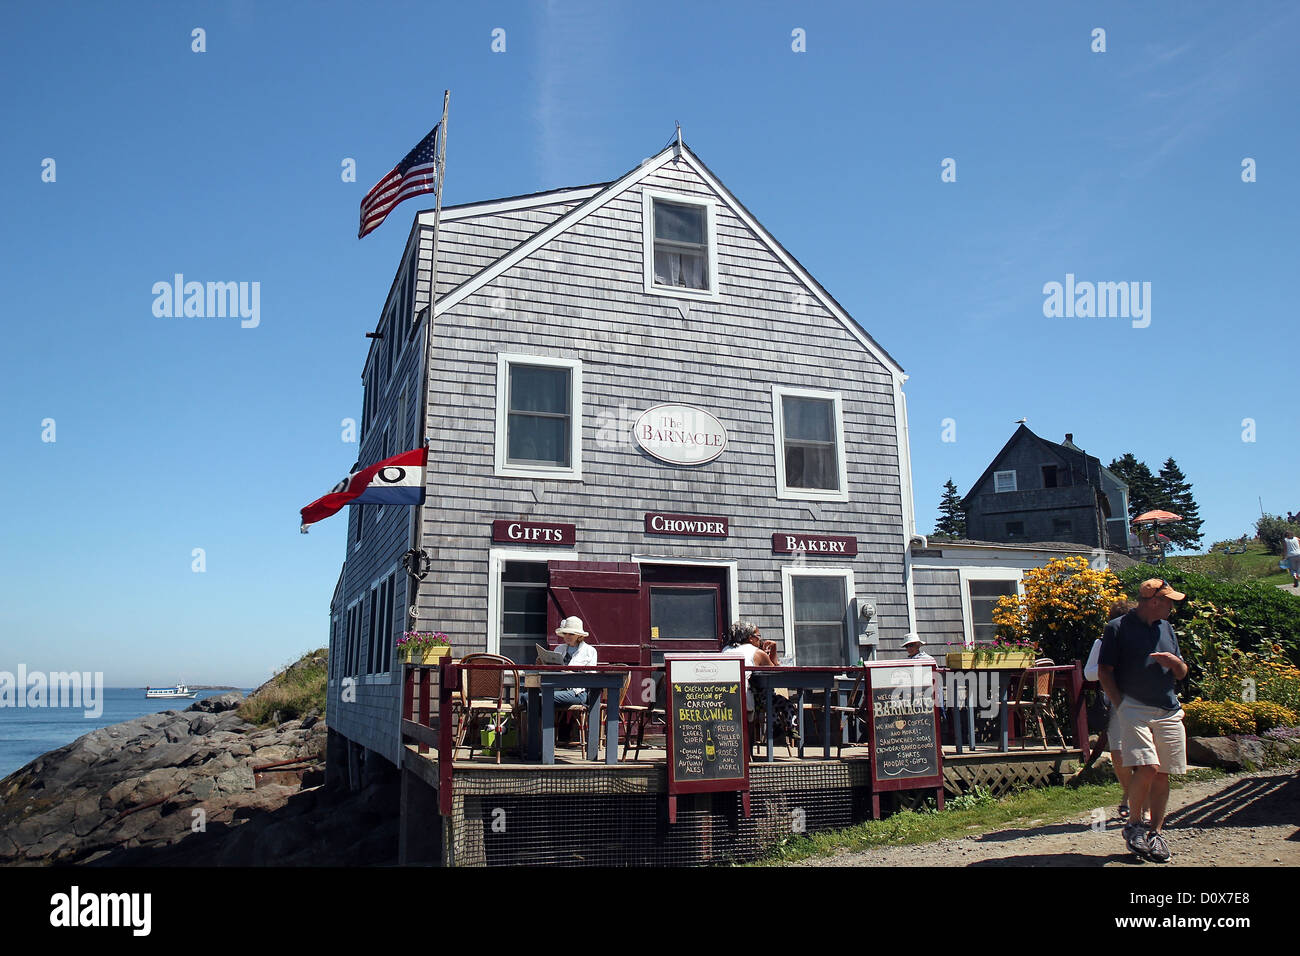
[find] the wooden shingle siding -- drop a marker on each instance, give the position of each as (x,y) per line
(938,608)
(582,296)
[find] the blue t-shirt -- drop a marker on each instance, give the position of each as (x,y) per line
(1127,644)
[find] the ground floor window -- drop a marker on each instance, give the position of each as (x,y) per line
(982,597)
(817,606)
(523,609)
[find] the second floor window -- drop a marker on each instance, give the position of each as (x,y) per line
(810,444)
(539,421)
(538,427)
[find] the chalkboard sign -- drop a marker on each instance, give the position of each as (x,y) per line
(904,743)
(707,743)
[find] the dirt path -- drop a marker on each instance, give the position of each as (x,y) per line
(1246,820)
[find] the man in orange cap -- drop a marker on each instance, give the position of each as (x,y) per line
(1139,667)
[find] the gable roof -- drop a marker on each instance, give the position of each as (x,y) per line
(602,195)
(1070,452)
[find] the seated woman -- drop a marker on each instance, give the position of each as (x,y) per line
(577,653)
(743,640)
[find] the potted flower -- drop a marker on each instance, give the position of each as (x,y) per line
(1000,652)
(423,647)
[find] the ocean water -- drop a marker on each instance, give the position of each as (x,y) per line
(28,732)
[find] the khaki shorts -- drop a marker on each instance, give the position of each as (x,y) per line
(1114,732)
(1153,736)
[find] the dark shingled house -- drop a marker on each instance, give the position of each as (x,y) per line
(1038,490)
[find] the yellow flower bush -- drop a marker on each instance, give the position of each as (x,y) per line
(1063,609)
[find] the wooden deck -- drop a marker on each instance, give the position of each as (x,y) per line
(998,771)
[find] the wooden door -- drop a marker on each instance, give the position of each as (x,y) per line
(607,596)
(684,608)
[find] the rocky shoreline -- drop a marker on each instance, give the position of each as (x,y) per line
(178,788)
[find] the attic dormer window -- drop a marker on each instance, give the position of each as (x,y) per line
(1004,481)
(680,246)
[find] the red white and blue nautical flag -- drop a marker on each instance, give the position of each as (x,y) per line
(394,481)
(417,173)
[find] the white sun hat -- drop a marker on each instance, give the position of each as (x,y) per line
(571,625)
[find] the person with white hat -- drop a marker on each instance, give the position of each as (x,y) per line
(577,653)
(913,644)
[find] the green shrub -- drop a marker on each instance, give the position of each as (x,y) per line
(296,691)
(1269,715)
(1271,529)
(1217,718)
(1262,614)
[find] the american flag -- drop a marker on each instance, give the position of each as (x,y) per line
(416,173)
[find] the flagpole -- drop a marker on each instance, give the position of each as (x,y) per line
(417,531)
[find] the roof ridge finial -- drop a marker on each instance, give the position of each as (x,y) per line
(679,139)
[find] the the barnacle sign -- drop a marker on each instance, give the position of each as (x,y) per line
(680,434)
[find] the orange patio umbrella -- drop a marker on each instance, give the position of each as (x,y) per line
(1157,517)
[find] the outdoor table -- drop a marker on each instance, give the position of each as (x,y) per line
(799,679)
(1004,692)
(542,686)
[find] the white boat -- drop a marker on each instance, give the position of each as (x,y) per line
(170,693)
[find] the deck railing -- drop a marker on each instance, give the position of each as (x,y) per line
(429,693)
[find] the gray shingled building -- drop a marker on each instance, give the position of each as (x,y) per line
(641,409)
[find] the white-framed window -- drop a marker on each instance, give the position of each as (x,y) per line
(680,245)
(808,429)
(980,590)
(539,417)
(1004,481)
(517,581)
(815,606)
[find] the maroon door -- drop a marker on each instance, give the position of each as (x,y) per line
(684,608)
(607,597)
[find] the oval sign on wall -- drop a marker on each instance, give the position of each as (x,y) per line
(680,434)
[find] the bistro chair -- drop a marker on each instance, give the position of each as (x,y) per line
(636,705)
(1031,699)
(483,692)
(854,712)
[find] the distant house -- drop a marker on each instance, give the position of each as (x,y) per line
(1039,490)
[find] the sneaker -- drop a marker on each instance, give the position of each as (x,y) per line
(1157,847)
(1135,838)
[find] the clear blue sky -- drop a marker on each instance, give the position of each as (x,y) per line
(177,434)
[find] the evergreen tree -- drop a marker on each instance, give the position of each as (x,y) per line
(952,520)
(1176,495)
(1144,490)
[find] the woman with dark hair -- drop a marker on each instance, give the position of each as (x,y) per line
(743,640)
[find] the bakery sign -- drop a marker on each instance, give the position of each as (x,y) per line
(810,544)
(680,434)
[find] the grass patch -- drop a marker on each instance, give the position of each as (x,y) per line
(1043,806)
(1256,566)
(296,691)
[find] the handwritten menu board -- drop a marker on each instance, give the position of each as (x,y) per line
(706,720)
(905,750)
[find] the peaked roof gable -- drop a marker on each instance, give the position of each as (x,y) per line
(1052,448)
(634,176)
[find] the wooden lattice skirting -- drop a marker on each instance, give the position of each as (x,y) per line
(1006,773)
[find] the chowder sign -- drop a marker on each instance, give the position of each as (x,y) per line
(680,434)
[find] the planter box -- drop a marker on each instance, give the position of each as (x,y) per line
(428,656)
(965,660)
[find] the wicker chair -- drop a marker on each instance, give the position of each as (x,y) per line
(483,692)
(1037,704)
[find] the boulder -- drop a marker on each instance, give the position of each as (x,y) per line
(219,704)
(1228,753)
